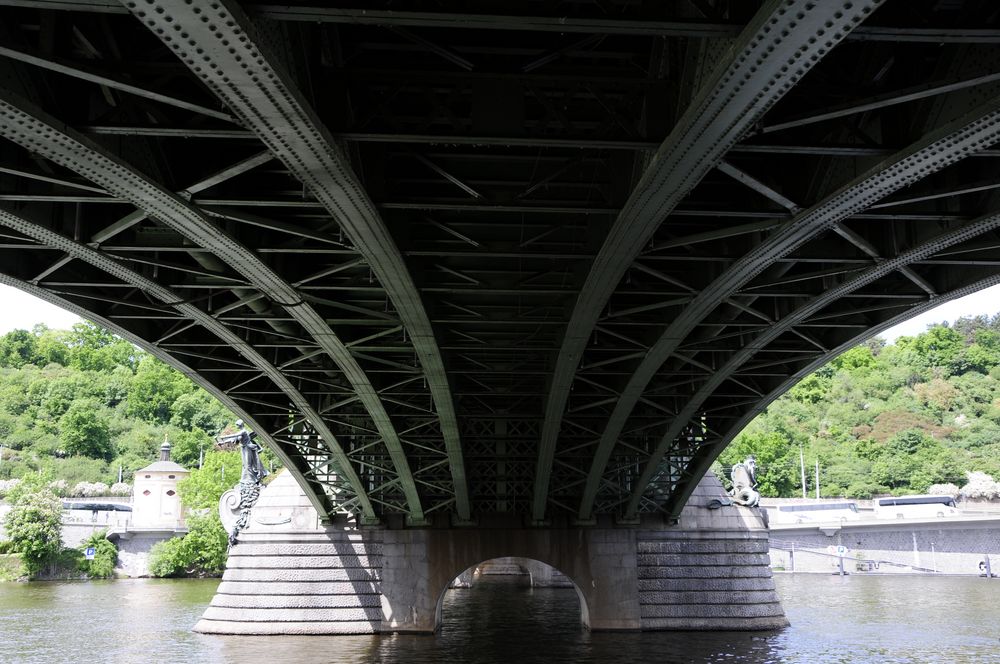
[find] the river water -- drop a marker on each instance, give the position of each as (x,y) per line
(852,619)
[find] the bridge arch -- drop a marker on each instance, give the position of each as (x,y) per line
(439,610)
(439,606)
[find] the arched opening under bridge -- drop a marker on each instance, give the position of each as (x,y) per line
(499,597)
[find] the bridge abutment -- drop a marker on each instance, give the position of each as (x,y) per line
(290,575)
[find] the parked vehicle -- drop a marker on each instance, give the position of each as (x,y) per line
(914,507)
(816,512)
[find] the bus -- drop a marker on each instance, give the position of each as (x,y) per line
(818,512)
(914,507)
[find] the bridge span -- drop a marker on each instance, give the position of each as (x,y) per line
(535,261)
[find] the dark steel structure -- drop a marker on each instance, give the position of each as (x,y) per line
(542,258)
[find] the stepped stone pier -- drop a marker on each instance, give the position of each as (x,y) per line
(288,574)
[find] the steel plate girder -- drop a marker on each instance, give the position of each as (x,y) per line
(703,458)
(740,357)
(782,42)
(35,131)
(190,312)
(319,501)
(222,48)
(978,129)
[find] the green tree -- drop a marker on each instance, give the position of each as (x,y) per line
(203,487)
(154,389)
(17,348)
(197,409)
(52,346)
(85,431)
(202,552)
(34,522)
(93,348)
(105,555)
(776,460)
(187,446)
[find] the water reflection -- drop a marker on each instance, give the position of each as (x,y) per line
(850,619)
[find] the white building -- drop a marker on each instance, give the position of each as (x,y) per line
(155,501)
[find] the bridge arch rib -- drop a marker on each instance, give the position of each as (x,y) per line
(686,478)
(781,43)
(225,50)
(512,270)
(312,488)
(32,129)
(967,135)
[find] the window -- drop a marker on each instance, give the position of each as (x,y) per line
(170,492)
(146,492)
(170,477)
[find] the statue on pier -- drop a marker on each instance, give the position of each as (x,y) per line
(744,476)
(235,504)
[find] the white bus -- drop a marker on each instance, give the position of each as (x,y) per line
(914,507)
(818,512)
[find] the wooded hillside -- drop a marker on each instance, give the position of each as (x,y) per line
(78,404)
(881,418)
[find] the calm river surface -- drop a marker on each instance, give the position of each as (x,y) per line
(834,619)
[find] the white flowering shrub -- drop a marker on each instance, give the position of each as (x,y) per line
(7,485)
(980,486)
(90,489)
(120,489)
(59,487)
(944,490)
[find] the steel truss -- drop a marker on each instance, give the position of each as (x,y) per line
(452,263)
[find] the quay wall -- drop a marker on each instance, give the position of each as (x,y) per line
(949,546)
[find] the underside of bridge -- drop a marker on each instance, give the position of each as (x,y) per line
(536,258)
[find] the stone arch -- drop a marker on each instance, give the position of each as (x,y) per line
(439,604)
(418,566)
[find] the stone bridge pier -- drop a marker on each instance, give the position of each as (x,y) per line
(289,575)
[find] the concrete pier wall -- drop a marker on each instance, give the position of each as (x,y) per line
(289,575)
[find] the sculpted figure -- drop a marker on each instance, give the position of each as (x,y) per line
(253,470)
(744,476)
(251,480)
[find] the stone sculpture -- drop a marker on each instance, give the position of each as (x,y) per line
(744,476)
(251,481)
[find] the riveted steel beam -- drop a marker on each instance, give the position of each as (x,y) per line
(782,42)
(318,499)
(946,145)
(223,48)
(703,457)
(768,335)
(37,132)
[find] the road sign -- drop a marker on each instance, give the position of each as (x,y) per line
(89,552)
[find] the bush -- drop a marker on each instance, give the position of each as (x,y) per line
(34,522)
(105,555)
(168,558)
(11,568)
(202,552)
(944,490)
(59,487)
(120,489)
(75,469)
(980,485)
(6,486)
(91,489)
(85,431)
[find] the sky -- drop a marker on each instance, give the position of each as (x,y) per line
(23,311)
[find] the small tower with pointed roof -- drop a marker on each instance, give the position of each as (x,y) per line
(155,502)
